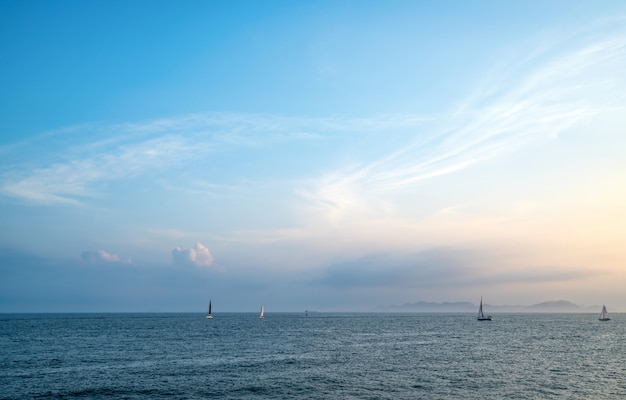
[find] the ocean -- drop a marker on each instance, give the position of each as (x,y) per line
(322,356)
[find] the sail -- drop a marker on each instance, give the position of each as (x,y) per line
(481,315)
(604,314)
(262,314)
(209,314)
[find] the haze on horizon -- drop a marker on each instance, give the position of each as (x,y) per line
(325,155)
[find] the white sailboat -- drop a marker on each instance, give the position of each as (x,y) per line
(604,314)
(481,315)
(262,315)
(209,314)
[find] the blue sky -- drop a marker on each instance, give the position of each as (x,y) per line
(329,155)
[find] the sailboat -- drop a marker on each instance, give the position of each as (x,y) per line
(262,315)
(481,315)
(208,314)
(604,314)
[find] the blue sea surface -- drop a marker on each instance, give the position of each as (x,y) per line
(322,356)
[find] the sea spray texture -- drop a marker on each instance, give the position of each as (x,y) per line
(238,356)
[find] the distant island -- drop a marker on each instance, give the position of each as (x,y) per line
(559,306)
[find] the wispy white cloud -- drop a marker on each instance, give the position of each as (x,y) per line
(103,256)
(558,93)
(70,181)
(73,162)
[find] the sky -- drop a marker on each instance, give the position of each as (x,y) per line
(321,155)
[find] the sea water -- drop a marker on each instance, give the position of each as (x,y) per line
(322,356)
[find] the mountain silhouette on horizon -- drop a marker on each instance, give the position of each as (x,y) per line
(557,306)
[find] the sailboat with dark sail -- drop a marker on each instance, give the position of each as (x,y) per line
(209,314)
(604,314)
(481,315)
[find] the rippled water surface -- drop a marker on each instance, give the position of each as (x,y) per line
(358,356)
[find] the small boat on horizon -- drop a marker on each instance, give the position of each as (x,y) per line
(209,314)
(481,315)
(604,314)
(262,314)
